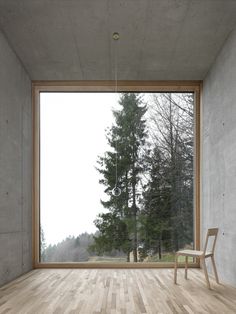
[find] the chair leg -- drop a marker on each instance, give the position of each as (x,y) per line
(186,267)
(205,272)
(214,268)
(176,265)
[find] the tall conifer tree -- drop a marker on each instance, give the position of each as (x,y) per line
(126,138)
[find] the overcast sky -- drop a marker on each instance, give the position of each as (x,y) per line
(72,136)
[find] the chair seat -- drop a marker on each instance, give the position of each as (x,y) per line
(193,253)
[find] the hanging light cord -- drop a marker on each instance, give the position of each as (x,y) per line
(116,38)
(116,191)
(116,162)
(116,66)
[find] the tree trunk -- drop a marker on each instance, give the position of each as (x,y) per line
(135,240)
(128,257)
(176,241)
(173,179)
(126,190)
(135,253)
(135,243)
(159,249)
(134,209)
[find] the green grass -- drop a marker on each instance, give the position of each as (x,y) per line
(106,259)
(166,258)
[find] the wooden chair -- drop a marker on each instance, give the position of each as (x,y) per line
(200,254)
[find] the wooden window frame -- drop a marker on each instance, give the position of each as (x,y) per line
(109,86)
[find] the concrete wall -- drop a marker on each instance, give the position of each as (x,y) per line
(219,157)
(15,166)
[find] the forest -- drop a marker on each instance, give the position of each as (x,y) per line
(147,175)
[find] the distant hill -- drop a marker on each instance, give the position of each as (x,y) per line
(71,249)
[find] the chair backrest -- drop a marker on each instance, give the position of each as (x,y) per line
(211,233)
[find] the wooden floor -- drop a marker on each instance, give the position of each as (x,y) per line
(114,291)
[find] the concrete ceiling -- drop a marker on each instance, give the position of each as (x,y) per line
(160,39)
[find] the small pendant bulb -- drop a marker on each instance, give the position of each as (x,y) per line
(116,191)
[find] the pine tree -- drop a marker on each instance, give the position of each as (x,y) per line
(172,128)
(156,213)
(43,245)
(126,138)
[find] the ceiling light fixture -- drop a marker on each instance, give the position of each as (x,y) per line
(116,190)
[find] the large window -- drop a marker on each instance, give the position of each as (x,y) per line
(116,176)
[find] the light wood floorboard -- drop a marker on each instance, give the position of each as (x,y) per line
(110,291)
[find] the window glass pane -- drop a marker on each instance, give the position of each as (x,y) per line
(116,176)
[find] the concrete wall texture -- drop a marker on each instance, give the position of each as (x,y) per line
(15,166)
(219,157)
